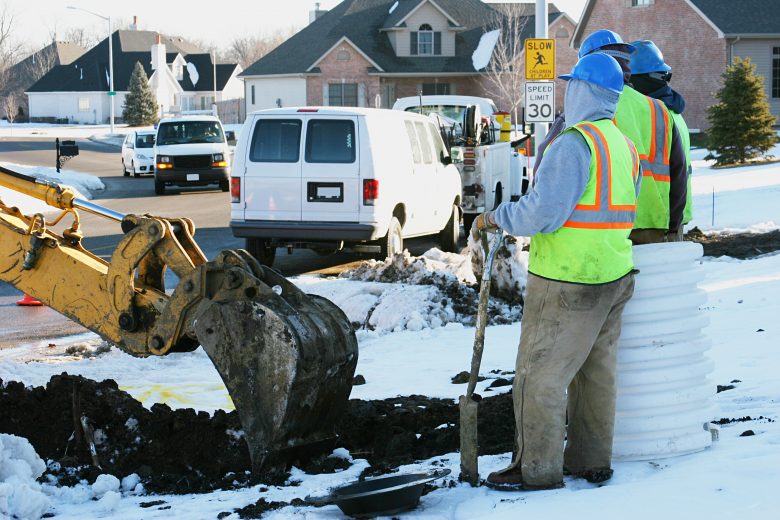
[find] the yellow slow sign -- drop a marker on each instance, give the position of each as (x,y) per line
(539,58)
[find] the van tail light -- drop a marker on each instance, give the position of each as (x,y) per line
(235,189)
(370,191)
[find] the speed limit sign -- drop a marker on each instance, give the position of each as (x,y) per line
(539,102)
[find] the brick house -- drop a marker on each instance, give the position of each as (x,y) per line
(180,74)
(371,52)
(698,38)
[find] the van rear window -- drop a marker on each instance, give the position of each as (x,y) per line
(330,141)
(276,140)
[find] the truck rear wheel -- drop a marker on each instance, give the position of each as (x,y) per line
(262,250)
(393,242)
(448,237)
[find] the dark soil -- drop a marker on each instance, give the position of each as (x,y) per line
(181,451)
(740,245)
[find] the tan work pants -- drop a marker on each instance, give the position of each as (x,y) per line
(568,341)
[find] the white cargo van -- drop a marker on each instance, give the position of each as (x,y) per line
(329,178)
(191,150)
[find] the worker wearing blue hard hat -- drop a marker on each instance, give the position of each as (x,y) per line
(648,124)
(651,75)
(578,213)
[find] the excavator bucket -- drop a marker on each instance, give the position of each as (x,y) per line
(287,360)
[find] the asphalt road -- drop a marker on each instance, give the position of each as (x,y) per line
(208,208)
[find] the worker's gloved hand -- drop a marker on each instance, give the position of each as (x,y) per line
(483,222)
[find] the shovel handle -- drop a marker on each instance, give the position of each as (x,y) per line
(482,308)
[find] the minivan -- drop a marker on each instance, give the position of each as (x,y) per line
(334,178)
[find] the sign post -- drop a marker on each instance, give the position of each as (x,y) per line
(539,101)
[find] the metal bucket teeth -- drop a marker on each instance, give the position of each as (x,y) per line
(287,361)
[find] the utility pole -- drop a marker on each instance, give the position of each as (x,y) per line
(540,129)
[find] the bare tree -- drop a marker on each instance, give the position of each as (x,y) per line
(9,46)
(248,49)
(10,105)
(86,37)
(40,63)
(505,74)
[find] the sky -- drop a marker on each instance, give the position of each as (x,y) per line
(37,19)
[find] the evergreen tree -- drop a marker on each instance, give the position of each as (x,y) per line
(741,122)
(140,107)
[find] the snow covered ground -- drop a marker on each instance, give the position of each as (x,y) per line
(735,478)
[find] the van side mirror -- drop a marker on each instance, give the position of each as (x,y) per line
(230,136)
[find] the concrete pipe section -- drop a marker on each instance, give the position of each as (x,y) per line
(665,398)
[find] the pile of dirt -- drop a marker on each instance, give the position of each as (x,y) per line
(181,451)
(739,245)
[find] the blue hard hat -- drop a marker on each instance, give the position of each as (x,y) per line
(601,38)
(600,69)
(647,58)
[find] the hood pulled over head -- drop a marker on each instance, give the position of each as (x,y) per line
(585,101)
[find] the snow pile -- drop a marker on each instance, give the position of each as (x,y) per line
(20,466)
(510,266)
(484,51)
(83,184)
(411,293)
(193,71)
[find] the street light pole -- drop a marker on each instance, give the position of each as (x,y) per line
(540,32)
(112,93)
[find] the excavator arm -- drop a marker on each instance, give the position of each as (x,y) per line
(286,358)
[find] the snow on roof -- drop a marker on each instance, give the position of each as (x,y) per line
(393,7)
(482,54)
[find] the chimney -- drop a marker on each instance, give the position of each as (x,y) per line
(317,12)
(158,54)
(134,26)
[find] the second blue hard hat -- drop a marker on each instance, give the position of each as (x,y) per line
(647,58)
(599,69)
(601,38)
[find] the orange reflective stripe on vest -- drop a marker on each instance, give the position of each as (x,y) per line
(602,213)
(656,163)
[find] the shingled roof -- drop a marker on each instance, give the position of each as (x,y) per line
(363,21)
(89,73)
(743,18)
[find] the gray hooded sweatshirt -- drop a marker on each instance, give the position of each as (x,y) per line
(564,171)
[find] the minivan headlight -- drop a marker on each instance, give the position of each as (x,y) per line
(218,161)
(164,162)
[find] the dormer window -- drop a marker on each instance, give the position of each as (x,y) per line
(425,41)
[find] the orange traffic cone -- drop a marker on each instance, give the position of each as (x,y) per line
(29,301)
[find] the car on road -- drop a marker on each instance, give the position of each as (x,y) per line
(333,178)
(138,153)
(191,150)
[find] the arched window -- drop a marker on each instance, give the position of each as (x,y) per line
(561,33)
(343,55)
(425,40)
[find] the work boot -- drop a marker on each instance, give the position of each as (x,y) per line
(510,479)
(594,476)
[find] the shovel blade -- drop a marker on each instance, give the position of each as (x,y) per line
(469,470)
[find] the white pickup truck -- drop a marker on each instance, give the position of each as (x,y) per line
(491,170)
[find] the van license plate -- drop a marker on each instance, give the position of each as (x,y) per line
(193,177)
(325,192)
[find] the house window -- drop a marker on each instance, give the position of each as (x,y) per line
(253,94)
(83,104)
(343,95)
(343,56)
(561,33)
(436,89)
(425,41)
(206,102)
(776,72)
(640,3)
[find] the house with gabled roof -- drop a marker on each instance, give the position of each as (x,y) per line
(699,38)
(21,75)
(181,75)
(371,52)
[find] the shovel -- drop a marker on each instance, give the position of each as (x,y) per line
(469,472)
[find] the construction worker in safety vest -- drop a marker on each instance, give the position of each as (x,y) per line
(578,213)
(650,75)
(648,124)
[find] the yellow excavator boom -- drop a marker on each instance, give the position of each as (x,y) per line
(286,358)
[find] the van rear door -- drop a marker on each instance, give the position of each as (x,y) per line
(272,183)
(330,188)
